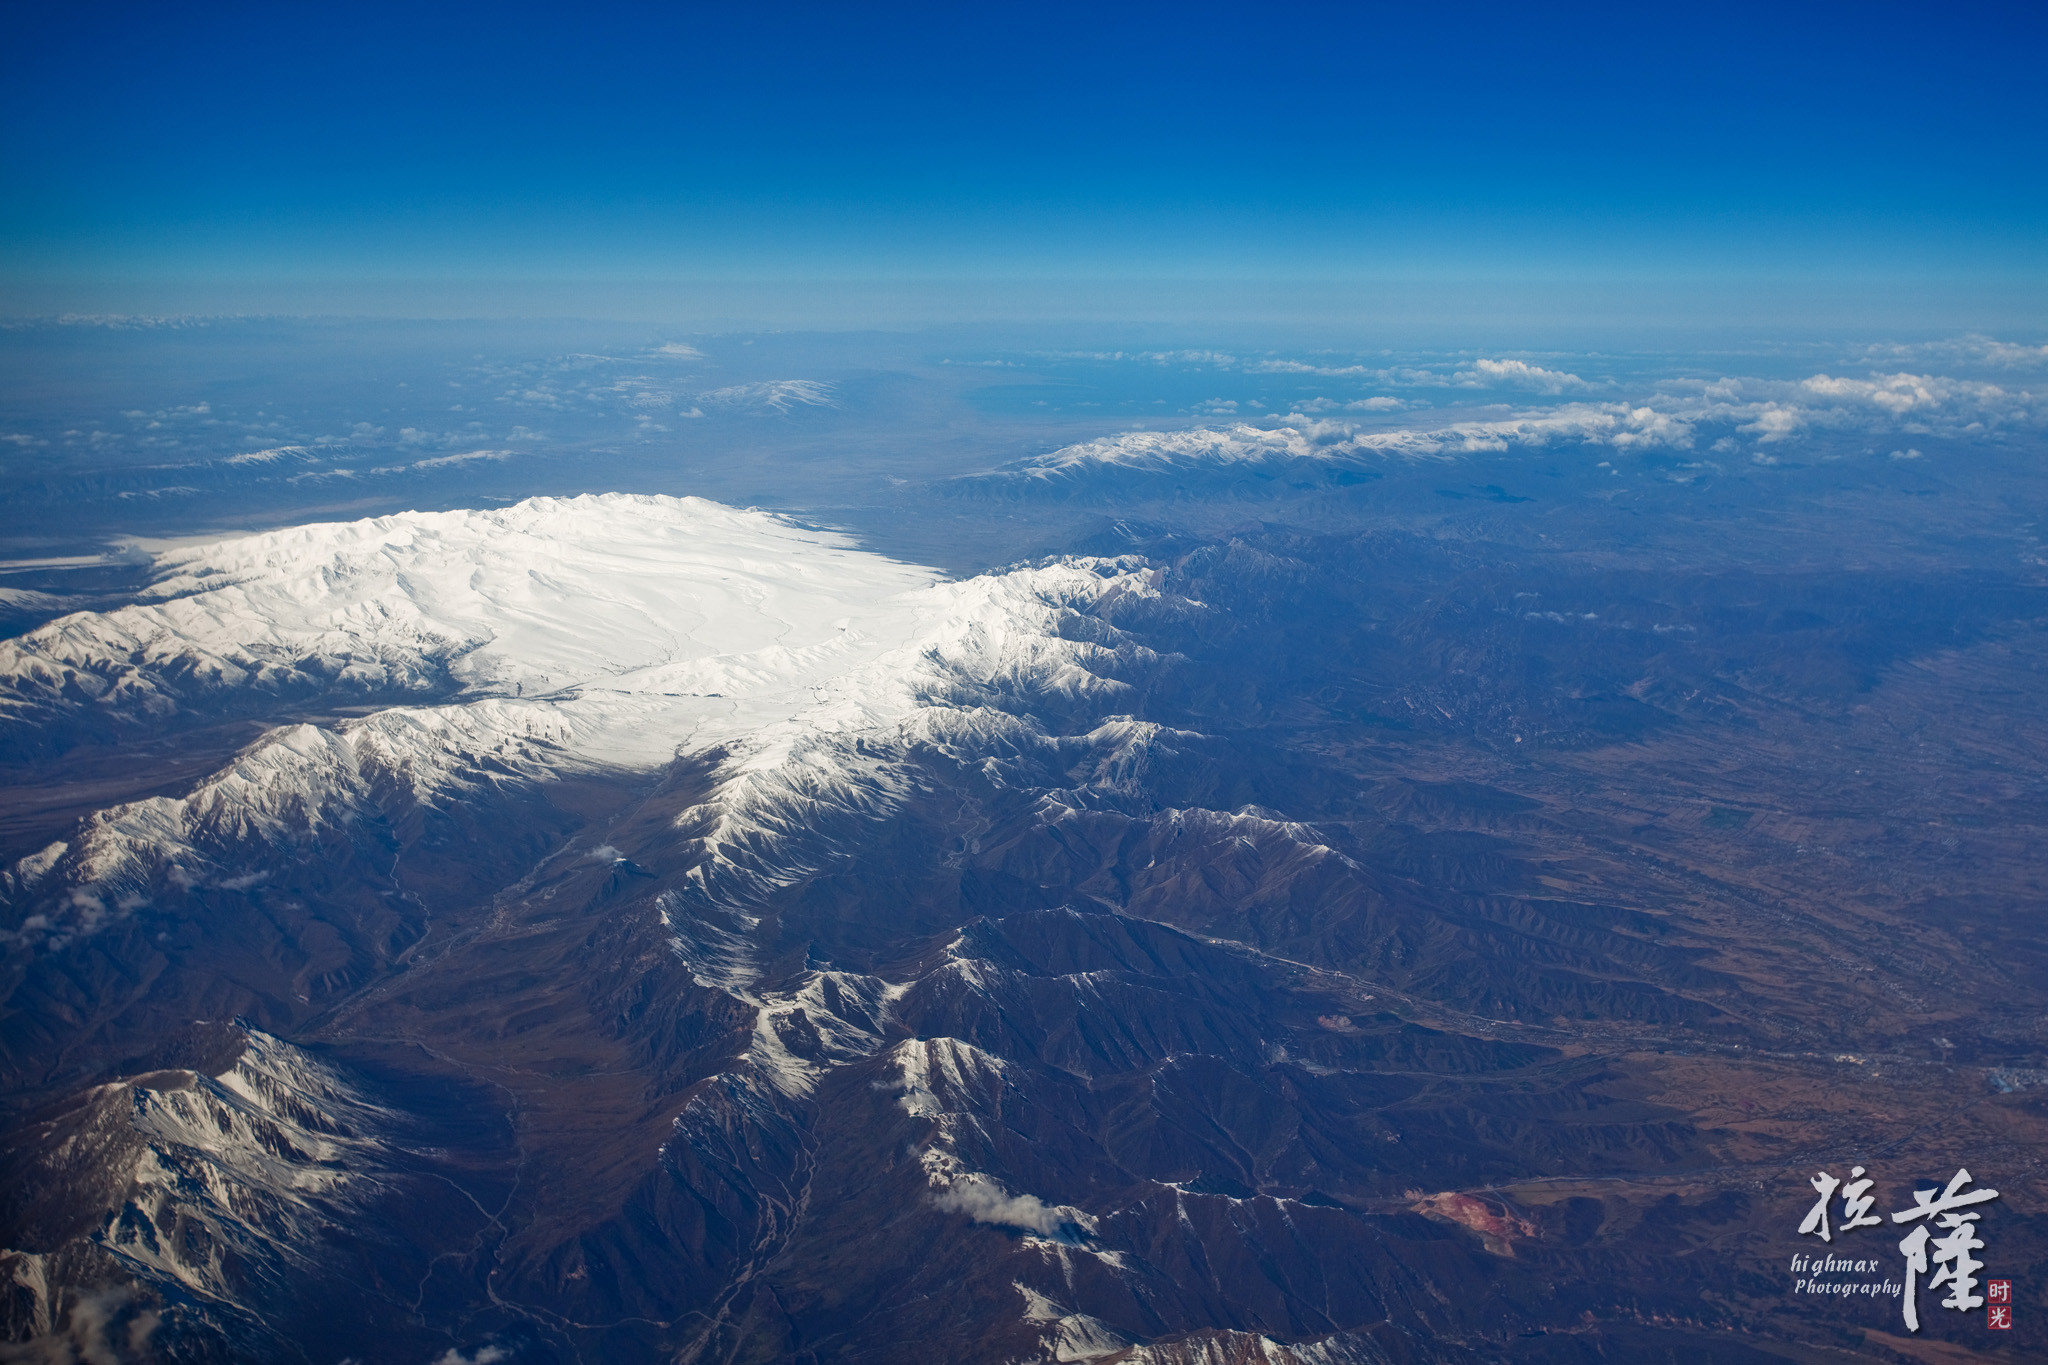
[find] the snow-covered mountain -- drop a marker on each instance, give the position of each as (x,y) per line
(818,690)
(248,1193)
(556,636)
(206,1178)
(649,930)
(1616,426)
(716,619)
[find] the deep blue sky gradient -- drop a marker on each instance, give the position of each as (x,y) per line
(780,142)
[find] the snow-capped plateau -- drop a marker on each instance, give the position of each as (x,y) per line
(593,607)
(604,632)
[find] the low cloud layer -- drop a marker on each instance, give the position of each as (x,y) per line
(1967,351)
(1725,414)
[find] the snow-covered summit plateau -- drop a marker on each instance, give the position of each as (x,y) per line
(583,608)
(606,632)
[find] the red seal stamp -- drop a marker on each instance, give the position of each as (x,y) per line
(1998,1305)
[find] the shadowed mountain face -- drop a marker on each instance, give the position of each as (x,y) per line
(1321,915)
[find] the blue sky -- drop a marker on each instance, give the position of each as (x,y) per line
(1731,145)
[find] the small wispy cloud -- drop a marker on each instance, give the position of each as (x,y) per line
(271,456)
(1380,403)
(466,457)
(985,1201)
(483,1355)
(1303,367)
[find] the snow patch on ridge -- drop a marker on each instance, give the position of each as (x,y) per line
(779,395)
(1070,1336)
(1227,1347)
(939,1078)
(832,1019)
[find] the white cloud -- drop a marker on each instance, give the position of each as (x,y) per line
(94,1332)
(1407,376)
(1303,367)
(1780,410)
(1482,373)
(1519,374)
(467,457)
(982,1199)
(1897,394)
(484,1355)
(1379,404)
(1775,423)
(1644,428)
(1727,413)
(1610,424)
(1972,349)
(271,456)
(1219,359)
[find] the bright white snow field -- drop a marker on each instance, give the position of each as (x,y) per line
(630,626)
(606,631)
